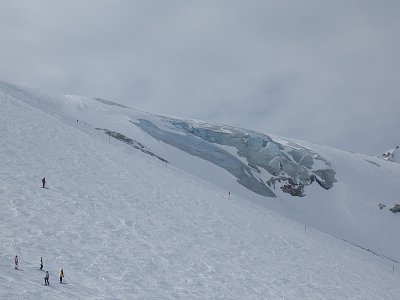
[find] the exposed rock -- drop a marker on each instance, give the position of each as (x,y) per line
(392,155)
(133,143)
(395,208)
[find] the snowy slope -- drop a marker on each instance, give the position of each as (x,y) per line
(347,208)
(124,224)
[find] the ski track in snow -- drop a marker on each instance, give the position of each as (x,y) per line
(124,226)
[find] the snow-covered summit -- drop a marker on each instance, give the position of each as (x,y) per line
(257,161)
(131,214)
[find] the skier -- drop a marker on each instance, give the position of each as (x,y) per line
(41,263)
(44,181)
(16,262)
(61,275)
(46,278)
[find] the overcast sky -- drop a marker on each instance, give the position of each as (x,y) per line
(323,71)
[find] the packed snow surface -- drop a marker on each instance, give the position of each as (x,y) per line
(124,224)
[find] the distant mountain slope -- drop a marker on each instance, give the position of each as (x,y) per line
(123,222)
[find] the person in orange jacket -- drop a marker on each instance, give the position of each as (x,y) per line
(61,275)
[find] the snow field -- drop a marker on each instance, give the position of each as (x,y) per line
(122,225)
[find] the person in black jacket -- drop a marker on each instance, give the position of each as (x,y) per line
(44,181)
(16,262)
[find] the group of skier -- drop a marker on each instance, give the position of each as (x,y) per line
(47,275)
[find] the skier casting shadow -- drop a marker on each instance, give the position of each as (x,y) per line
(44,182)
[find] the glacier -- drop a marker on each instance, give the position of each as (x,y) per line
(291,164)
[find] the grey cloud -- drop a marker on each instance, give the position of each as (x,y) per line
(326,72)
